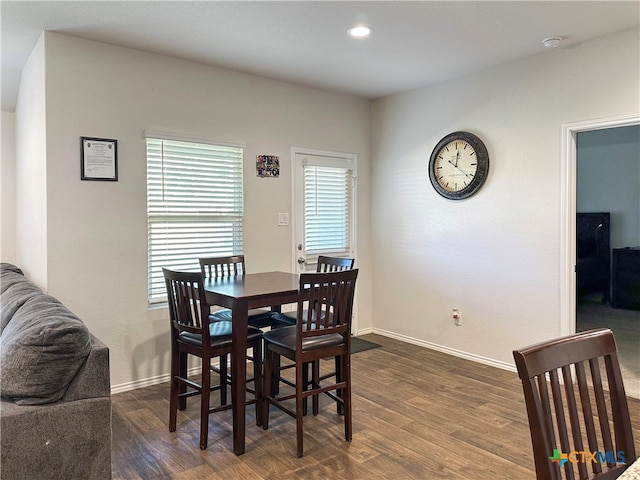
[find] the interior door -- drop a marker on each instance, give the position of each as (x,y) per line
(324,206)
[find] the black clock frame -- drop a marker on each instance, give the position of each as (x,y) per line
(481,173)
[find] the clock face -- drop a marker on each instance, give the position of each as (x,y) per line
(459,165)
(455,165)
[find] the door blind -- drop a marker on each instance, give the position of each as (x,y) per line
(194,206)
(327,197)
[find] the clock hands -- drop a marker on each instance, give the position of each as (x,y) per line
(456,166)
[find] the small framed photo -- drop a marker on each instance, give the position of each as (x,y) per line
(267,166)
(98,159)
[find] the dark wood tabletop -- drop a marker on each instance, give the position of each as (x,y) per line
(241,293)
(258,289)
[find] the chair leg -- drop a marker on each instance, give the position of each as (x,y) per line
(268,384)
(181,370)
(338,367)
(173,391)
(275,385)
(346,396)
(222,365)
(205,393)
(315,375)
(257,379)
(300,387)
(305,379)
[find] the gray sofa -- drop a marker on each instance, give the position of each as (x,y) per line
(55,409)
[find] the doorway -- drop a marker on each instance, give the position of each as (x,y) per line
(324,208)
(582,310)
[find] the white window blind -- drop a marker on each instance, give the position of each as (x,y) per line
(194,206)
(327,209)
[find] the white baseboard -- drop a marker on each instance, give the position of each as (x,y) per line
(451,351)
(363,332)
(147,382)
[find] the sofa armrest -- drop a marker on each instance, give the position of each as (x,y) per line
(92,380)
(57,441)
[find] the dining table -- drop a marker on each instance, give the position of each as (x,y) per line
(240,294)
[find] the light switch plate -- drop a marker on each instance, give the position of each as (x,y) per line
(283,219)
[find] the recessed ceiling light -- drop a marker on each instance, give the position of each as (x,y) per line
(360,31)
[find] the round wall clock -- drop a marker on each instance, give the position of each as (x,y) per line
(459,165)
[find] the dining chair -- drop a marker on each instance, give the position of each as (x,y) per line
(322,330)
(231,266)
(324,264)
(193,333)
(577,408)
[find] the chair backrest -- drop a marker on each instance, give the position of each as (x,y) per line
(327,296)
(334,264)
(565,382)
(188,309)
(215,267)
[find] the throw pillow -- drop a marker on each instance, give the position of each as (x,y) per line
(14,296)
(41,350)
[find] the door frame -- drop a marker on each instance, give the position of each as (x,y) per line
(354,209)
(568,210)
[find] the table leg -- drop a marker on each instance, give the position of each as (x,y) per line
(239,374)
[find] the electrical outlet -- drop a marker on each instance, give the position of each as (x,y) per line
(457,317)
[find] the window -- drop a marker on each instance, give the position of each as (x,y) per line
(324,187)
(194,206)
(327,209)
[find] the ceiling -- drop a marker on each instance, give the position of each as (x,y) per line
(414,43)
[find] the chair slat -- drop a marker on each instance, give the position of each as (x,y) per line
(601,406)
(587,413)
(572,407)
(561,422)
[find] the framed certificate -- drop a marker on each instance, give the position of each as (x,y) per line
(98,159)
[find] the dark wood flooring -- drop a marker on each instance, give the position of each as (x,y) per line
(417,413)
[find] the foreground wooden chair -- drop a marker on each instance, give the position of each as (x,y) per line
(324,264)
(327,297)
(193,333)
(566,383)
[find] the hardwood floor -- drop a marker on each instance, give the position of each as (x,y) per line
(417,413)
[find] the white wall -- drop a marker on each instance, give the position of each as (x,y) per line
(97,237)
(608,180)
(8,187)
(31,169)
(496,255)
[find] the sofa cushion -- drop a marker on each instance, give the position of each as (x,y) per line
(41,350)
(8,278)
(8,267)
(14,296)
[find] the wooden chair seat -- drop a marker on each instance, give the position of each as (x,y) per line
(285,338)
(220,333)
(257,317)
(286,319)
